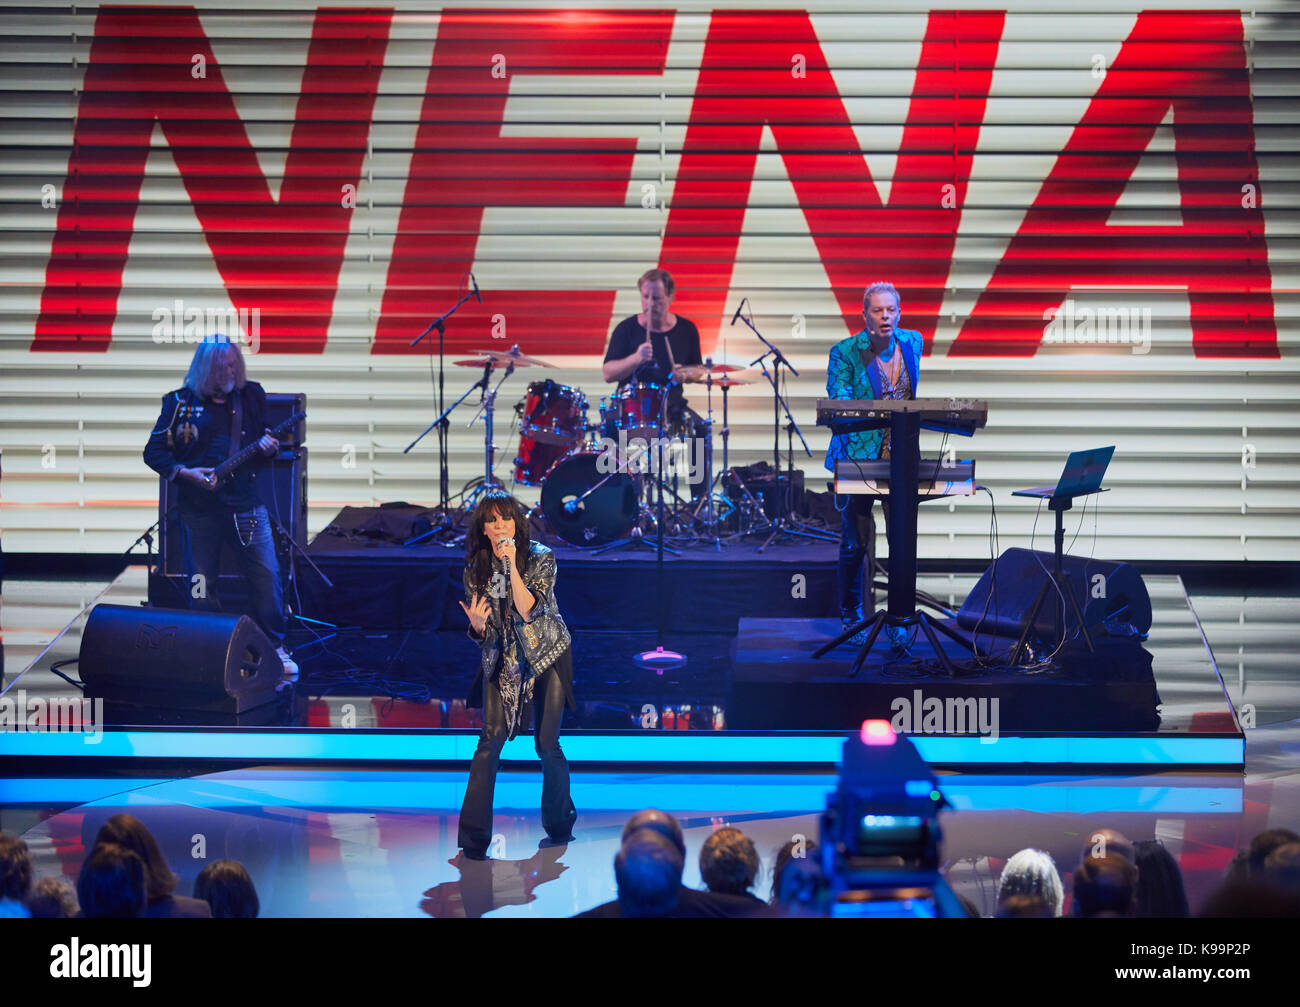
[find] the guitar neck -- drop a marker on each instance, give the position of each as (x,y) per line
(236,460)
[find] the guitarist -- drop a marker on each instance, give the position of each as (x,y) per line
(192,437)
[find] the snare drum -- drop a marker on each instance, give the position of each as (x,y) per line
(636,409)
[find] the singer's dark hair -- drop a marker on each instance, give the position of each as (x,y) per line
(478,550)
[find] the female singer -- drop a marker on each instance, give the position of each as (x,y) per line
(526,657)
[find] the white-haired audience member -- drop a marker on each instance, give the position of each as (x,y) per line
(1032,872)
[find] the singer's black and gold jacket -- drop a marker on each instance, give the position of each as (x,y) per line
(539,577)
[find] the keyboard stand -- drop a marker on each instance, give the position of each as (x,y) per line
(904,471)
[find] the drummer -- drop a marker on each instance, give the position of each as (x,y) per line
(647,347)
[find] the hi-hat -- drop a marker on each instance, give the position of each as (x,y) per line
(699,373)
(729,382)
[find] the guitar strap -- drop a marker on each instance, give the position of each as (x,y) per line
(236,422)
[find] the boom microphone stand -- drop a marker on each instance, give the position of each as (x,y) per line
(442,423)
(660,660)
(784,523)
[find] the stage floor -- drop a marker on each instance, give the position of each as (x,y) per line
(378,843)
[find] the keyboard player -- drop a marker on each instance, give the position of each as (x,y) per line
(880,362)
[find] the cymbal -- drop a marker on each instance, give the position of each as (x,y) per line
(729,382)
(479,362)
(699,373)
(513,356)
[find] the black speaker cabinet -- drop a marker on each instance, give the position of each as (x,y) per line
(157,658)
(281,485)
(1107,592)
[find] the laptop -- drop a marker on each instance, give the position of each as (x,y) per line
(1083,474)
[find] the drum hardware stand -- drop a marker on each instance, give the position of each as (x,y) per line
(784,523)
(636,537)
(726,472)
(483,383)
(440,323)
(710,520)
(486,409)
(660,660)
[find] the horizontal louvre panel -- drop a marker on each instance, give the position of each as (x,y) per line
(1207,461)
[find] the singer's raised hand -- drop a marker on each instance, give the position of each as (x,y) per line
(478,612)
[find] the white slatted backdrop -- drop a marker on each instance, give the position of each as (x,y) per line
(74,419)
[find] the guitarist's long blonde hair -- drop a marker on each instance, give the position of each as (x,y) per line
(208,356)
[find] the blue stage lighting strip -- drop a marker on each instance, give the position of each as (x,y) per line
(671,748)
(705,792)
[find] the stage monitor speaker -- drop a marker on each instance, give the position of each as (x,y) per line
(1108,593)
(162,658)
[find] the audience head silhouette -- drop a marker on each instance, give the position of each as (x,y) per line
(1032,873)
(112,883)
(1105,886)
(728,862)
(657,821)
(648,869)
(129,832)
(226,887)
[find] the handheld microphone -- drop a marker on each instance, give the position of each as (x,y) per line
(736,316)
(477,296)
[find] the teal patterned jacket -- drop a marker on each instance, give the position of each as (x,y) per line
(848,378)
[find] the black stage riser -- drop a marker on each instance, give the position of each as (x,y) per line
(420,588)
(776,684)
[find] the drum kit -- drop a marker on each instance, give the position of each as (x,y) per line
(598,479)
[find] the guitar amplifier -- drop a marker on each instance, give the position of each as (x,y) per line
(282,487)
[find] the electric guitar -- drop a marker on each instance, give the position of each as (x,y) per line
(224,472)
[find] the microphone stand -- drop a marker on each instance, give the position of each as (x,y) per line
(439,323)
(784,523)
(660,660)
(442,423)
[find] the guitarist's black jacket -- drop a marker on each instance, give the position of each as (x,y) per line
(194,432)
